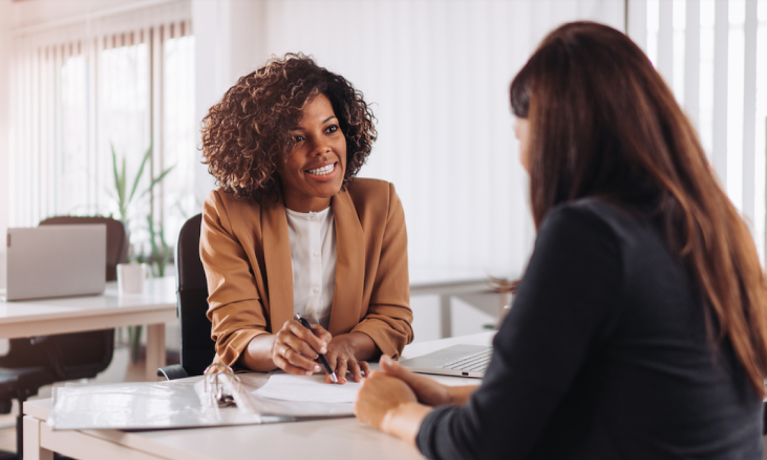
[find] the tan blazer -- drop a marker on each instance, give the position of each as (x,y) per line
(245,249)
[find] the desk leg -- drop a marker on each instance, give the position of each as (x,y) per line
(446,316)
(32,448)
(155,350)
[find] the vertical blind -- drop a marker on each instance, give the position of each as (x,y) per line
(713,53)
(124,81)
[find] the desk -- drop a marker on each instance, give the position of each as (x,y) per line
(154,307)
(309,440)
(447,283)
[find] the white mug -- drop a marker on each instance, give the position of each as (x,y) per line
(130,277)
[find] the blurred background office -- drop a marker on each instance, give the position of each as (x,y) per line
(81,78)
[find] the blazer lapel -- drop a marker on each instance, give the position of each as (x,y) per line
(350,266)
(279,268)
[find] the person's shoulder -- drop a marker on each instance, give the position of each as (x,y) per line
(364,187)
(220,199)
(599,216)
(373,197)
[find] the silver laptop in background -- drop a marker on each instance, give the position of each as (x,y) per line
(55,261)
(454,361)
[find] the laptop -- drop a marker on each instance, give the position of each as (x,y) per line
(55,261)
(455,361)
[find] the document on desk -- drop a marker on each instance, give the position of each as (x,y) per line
(312,388)
(180,403)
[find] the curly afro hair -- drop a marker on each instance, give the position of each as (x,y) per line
(245,137)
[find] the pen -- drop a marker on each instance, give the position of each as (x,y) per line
(324,361)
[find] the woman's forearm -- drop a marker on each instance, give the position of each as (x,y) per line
(405,420)
(460,394)
(258,355)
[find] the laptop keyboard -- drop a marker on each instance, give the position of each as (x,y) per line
(475,362)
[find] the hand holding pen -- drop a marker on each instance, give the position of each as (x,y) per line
(325,364)
(296,348)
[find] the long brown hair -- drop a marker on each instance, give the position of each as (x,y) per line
(604,123)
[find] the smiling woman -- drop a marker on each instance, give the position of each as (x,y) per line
(290,231)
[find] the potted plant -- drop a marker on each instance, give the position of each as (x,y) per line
(126,200)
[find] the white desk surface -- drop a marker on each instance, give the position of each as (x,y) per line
(445,280)
(27,318)
(332,439)
(153,307)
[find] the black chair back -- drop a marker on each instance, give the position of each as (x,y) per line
(76,355)
(197,348)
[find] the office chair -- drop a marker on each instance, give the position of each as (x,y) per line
(197,349)
(37,361)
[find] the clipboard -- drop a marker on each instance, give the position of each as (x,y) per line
(200,401)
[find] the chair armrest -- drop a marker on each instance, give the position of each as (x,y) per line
(172,372)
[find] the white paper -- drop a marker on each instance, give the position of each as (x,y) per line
(311,388)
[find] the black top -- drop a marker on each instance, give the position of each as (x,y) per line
(604,355)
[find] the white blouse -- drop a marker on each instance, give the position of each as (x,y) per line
(313,256)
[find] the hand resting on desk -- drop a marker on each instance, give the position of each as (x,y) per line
(396,400)
(348,353)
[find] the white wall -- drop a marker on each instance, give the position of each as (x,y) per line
(5,16)
(37,13)
(228,45)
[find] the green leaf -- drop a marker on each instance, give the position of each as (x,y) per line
(153,242)
(121,190)
(117,176)
(157,180)
(140,172)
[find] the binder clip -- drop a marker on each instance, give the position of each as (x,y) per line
(216,388)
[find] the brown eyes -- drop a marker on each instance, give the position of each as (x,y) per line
(330,129)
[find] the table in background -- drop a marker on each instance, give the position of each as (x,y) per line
(153,307)
(321,439)
(448,283)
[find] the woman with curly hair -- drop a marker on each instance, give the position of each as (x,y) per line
(290,231)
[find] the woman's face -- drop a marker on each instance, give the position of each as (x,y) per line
(522,133)
(314,171)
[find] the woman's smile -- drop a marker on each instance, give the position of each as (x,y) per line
(324,171)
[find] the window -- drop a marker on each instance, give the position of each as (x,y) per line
(118,80)
(713,53)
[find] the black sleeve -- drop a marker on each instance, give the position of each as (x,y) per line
(564,306)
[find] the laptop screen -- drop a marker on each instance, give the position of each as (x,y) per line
(55,261)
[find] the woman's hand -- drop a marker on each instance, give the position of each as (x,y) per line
(347,352)
(296,348)
(390,405)
(427,390)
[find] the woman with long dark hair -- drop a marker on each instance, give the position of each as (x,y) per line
(639,329)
